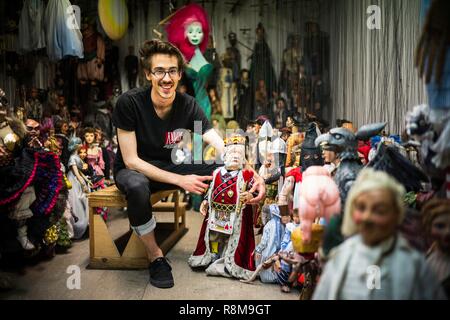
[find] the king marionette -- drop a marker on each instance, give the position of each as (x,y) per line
(226,240)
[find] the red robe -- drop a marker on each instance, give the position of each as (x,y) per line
(240,262)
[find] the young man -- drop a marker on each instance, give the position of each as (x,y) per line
(146,120)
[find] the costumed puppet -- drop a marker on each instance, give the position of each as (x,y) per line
(80,187)
(227,87)
(188,29)
(436,222)
(270,244)
(91,68)
(295,139)
(261,67)
(226,242)
(292,57)
(373,211)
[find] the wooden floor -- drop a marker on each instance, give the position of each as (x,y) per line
(48,279)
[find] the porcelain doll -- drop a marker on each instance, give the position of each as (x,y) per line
(94,153)
(226,240)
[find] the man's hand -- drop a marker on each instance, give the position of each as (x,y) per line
(194,184)
(260,187)
(204,208)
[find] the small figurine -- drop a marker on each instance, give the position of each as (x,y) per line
(226,240)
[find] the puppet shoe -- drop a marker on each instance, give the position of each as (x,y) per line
(25,243)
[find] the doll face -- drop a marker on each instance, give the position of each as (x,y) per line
(440,232)
(285,219)
(376,216)
(234,157)
(329,156)
(82,154)
(89,137)
(296,217)
(64,128)
(98,135)
(194,33)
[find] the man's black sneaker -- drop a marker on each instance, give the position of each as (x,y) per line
(161,273)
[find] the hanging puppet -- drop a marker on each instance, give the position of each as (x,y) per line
(91,68)
(188,29)
(226,242)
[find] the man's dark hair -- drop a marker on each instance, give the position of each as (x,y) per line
(151,47)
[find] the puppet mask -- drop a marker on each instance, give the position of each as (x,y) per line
(194,33)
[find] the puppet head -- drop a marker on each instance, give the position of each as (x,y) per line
(310,154)
(234,156)
(188,28)
(374,207)
(33,128)
(74,144)
(436,222)
(319,197)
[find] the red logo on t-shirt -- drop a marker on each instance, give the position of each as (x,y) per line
(172,138)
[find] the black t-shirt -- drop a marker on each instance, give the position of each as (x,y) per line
(155,137)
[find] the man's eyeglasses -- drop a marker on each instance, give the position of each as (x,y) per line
(161,73)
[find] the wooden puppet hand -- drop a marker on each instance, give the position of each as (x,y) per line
(246,197)
(204,208)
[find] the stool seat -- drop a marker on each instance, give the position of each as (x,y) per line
(104,253)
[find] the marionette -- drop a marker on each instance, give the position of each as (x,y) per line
(304,91)
(80,187)
(226,240)
(189,29)
(91,67)
(316,49)
(305,262)
(295,139)
(292,57)
(270,244)
(15,183)
(235,55)
(212,57)
(436,224)
(34,106)
(319,198)
(94,153)
(330,158)
(261,100)
(261,67)
(376,262)
(132,67)
(227,87)
(284,269)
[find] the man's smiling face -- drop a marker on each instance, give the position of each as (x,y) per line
(164,87)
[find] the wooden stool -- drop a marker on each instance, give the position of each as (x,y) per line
(104,252)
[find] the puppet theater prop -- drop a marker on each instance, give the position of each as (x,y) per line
(327,103)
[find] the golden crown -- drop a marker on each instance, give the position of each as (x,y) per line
(234,140)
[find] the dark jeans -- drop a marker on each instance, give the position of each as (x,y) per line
(138,188)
